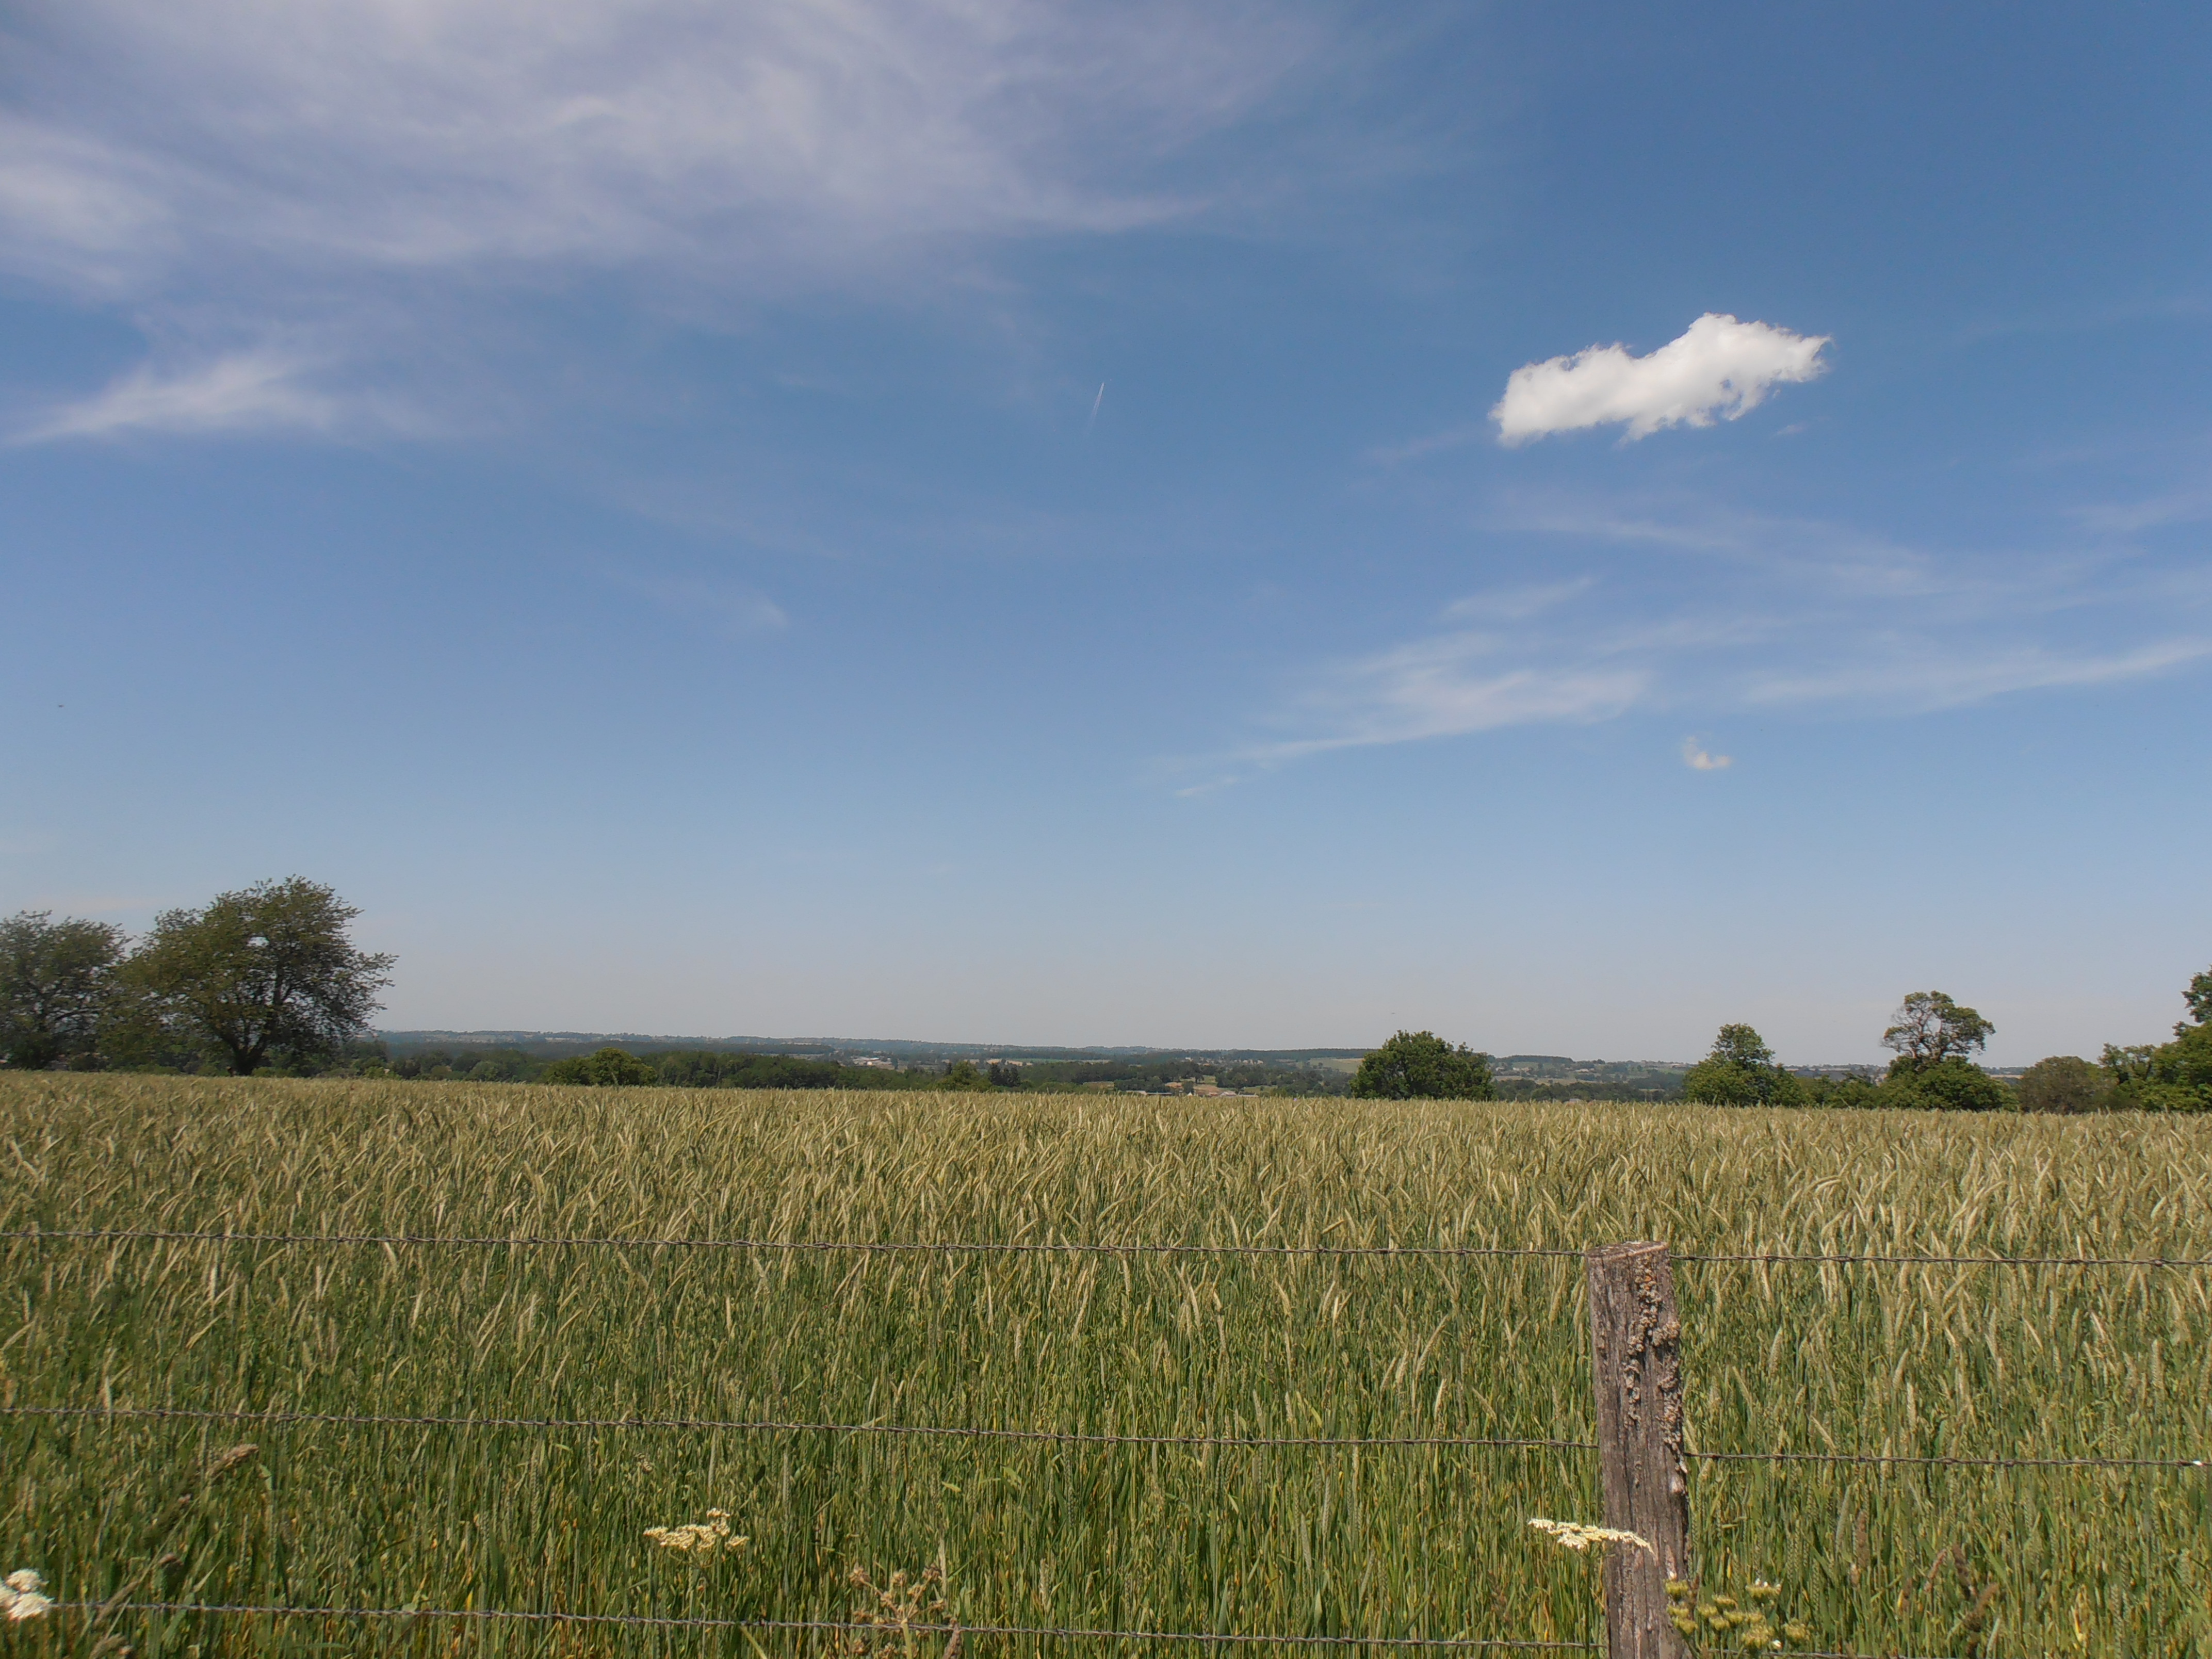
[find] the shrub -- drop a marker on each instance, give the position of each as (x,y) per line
(2065,1083)
(1740,1071)
(1951,1085)
(608,1068)
(1852,1089)
(2172,1077)
(1422,1065)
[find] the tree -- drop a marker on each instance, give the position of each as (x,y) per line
(1949,1085)
(1422,1065)
(603,1068)
(1740,1071)
(57,980)
(2199,996)
(262,974)
(2170,1077)
(1854,1089)
(2065,1083)
(1931,1029)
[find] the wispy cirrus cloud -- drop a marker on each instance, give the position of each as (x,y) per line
(220,165)
(1928,673)
(242,391)
(1519,603)
(765,143)
(2159,512)
(1451,685)
(1718,367)
(727,608)
(1747,614)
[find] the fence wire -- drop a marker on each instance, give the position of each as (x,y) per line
(915,1247)
(1248,1442)
(659,1622)
(665,1622)
(1884,1461)
(696,1425)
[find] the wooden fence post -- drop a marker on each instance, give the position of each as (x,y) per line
(1636,1339)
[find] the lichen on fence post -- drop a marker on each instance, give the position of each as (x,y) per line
(1635,1341)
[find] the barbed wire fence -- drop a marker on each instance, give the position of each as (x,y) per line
(955,1247)
(1635,1611)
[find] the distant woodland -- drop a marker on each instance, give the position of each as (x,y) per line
(267,980)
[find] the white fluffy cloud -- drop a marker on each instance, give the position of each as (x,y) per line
(1699,758)
(1718,366)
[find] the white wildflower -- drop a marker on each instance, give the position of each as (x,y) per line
(696,1538)
(20,1598)
(1575,1535)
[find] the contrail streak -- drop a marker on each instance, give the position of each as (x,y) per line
(1095,401)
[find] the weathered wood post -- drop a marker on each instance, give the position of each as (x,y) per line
(1635,1341)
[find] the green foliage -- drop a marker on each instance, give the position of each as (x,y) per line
(2065,1083)
(673,1068)
(2169,1077)
(470,1064)
(713,1068)
(2199,996)
(1949,1085)
(1740,1071)
(1933,1036)
(265,973)
(1406,1542)
(1151,1074)
(604,1068)
(57,985)
(1713,1082)
(1854,1089)
(1422,1065)
(1930,1029)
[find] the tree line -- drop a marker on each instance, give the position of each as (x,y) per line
(733,1068)
(1934,1038)
(266,978)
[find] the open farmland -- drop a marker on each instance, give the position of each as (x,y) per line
(1951,1360)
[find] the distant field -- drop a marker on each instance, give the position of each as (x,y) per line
(1381,1541)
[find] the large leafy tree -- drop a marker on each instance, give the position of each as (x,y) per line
(2170,1077)
(1933,1036)
(1740,1071)
(268,972)
(1930,1029)
(1422,1065)
(57,980)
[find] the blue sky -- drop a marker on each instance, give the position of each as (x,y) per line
(1599,521)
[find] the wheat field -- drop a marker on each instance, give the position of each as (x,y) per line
(1377,1541)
